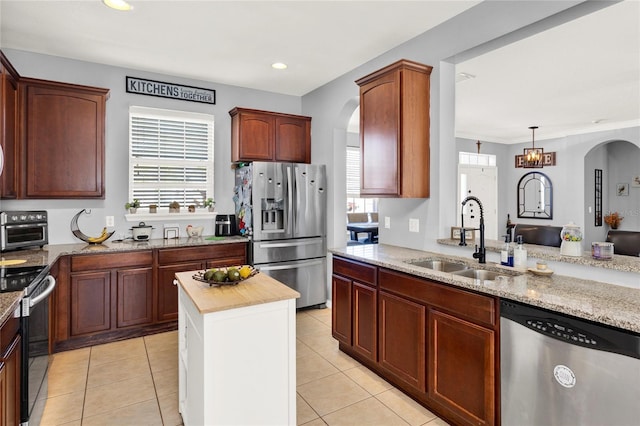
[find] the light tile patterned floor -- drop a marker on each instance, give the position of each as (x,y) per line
(135,382)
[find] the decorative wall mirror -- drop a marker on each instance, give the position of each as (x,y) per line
(535,196)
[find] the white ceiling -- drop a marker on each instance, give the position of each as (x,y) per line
(560,80)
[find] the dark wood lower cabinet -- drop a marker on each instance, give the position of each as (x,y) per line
(135,297)
(434,341)
(462,369)
(104,297)
(90,302)
(402,339)
(168,290)
(341,309)
(365,328)
(10,372)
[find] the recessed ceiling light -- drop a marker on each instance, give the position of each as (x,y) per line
(279,66)
(118,5)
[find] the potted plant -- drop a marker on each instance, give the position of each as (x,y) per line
(174,207)
(132,206)
(210,204)
(613,220)
(153,208)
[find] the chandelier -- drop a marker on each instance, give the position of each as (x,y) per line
(533,155)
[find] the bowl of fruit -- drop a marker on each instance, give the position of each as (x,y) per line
(230,275)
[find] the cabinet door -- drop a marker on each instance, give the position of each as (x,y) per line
(462,374)
(341,309)
(90,302)
(135,297)
(64,141)
(12,359)
(402,346)
(365,323)
(8,134)
(293,139)
(168,290)
(379,135)
(3,394)
(254,138)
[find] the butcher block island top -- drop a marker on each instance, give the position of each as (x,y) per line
(256,290)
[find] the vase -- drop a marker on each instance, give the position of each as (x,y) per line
(614,226)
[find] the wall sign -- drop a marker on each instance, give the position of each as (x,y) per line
(142,86)
(548,159)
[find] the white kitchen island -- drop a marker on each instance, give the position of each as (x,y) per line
(237,360)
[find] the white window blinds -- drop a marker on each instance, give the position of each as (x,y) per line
(353,172)
(170,156)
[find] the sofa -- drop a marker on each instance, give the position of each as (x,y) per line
(625,242)
(543,235)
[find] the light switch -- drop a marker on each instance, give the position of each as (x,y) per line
(109,221)
(387,222)
(414,225)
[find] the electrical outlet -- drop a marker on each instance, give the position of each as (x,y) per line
(387,222)
(110,221)
(414,225)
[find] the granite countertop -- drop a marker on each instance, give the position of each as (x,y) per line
(619,262)
(8,303)
(257,290)
(604,303)
(50,253)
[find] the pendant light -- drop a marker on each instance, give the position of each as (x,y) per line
(533,155)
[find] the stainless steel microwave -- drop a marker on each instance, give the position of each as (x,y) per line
(23,229)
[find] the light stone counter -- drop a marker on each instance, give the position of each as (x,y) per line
(618,263)
(604,303)
(8,304)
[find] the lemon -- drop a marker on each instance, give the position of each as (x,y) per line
(245,271)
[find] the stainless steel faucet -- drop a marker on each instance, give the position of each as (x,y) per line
(480,253)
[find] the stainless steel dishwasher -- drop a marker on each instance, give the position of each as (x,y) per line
(560,370)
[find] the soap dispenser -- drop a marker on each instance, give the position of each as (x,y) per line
(519,254)
(506,254)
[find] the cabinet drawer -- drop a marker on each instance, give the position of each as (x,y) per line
(8,332)
(466,304)
(177,255)
(95,262)
(360,272)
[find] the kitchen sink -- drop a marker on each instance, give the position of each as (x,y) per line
(479,274)
(439,265)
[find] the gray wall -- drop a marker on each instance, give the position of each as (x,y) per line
(117,139)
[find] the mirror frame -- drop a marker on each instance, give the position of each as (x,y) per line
(527,178)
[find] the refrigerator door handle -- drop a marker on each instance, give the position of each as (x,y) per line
(295,265)
(276,244)
(290,183)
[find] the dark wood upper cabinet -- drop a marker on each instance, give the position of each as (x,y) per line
(62,134)
(394,131)
(8,127)
(269,136)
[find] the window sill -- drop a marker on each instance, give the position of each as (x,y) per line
(166,216)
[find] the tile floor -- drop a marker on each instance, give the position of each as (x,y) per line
(135,382)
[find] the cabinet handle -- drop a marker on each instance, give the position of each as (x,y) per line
(175,282)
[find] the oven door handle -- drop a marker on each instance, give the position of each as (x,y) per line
(44,294)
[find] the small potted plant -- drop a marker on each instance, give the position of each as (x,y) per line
(153,208)
(613,220)
(210,204)
(174,207)
(132,206)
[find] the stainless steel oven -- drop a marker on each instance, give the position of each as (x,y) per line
(23,229)
(37,285)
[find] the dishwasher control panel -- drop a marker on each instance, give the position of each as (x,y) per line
(573,330)
(561,331)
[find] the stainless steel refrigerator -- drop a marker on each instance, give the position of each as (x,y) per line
(282,207)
